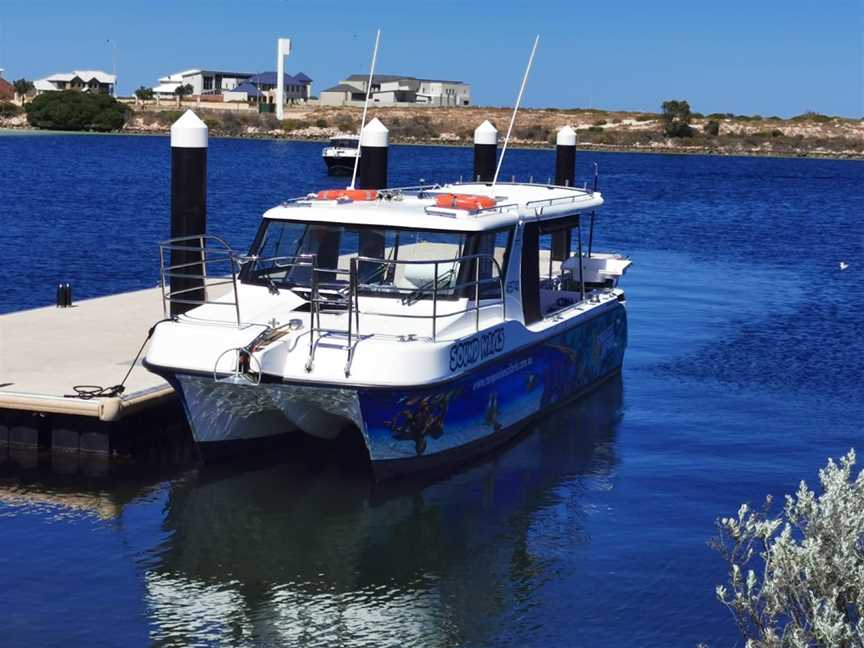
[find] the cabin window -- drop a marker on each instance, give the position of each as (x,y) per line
(490,267)
(545,246)
(285,250)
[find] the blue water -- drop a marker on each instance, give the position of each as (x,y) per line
(742,376)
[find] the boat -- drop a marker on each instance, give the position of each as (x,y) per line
(340,154)
(428,324)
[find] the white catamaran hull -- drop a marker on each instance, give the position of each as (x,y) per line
(418,427)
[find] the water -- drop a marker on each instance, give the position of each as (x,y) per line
(742,376)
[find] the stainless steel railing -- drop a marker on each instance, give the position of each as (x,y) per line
(216,264)
(213,264)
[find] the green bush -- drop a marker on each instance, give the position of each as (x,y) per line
(599,122)
(812,116)
(347,123)
(676,118)
(644,117)
(776,133)
(9,109)
(76,111)
(712,128)
(321,122)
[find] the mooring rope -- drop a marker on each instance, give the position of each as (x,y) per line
(88,392)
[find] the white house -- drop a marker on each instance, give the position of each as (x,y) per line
(236,86)
(94,81)
(392,89)
(203,82)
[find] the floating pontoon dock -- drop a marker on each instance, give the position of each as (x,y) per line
(46,352)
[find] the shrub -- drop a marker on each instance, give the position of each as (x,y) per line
(321,122)
(347,123)
(599,122)
(697,115)
(212,124)
(534,133)
(595,129)
(776,133)
(144,93)
(797,580)
(676,118)
(420,127)
(712,128)
(76,111)
(9,109)
(293,124)
(812,116)
(644,117)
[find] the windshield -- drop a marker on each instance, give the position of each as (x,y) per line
(286,251)
(344,143)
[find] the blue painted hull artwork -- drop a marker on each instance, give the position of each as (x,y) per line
(496,396)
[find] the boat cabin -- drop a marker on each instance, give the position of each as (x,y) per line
(505,252)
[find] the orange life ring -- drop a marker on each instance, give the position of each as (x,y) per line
(349,194)
(464,201)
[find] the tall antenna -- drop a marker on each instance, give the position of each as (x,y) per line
(516,109)
(365,108)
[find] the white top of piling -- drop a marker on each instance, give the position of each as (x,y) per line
(486,133)
(374,134)
(189,132)
(566,137)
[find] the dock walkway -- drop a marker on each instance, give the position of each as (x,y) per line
(45,352)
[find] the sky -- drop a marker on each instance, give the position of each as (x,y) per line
(767,57)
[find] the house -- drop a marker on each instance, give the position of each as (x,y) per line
(93,81)
(7,90)
(392,89)
(234,86)
(203,82)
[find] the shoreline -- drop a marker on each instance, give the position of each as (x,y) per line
(397,141)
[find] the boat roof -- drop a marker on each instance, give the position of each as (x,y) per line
(415,207)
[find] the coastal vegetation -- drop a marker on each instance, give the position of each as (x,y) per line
(796,579)
(675,128)
(76,111)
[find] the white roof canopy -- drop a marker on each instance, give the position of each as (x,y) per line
(514,202)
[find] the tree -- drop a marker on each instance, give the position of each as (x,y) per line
(183,91)
(75,111)
(676,118)
(712,128)
(797,580)
(144,93)
(22,87)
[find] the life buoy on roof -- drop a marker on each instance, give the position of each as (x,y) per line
(464,201)
(347,194)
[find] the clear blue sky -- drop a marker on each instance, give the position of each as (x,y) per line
(770,57)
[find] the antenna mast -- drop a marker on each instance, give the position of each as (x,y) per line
(365,108)
(516,109)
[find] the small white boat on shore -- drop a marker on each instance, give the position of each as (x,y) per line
(432,322)
(340,154)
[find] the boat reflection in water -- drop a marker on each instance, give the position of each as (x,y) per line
(289,553)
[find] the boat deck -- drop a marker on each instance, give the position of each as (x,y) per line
(45,352)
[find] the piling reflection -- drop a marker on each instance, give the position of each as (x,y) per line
(293,553)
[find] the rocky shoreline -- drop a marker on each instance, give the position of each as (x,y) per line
(816,137)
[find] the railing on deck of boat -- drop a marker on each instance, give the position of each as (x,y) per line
(324,295)
(211,251)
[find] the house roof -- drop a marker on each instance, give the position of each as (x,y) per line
(386,78)
(250,89)
(302,77)
(84,75)
(269,78)
(379,78)
(6,88)
(343,87)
